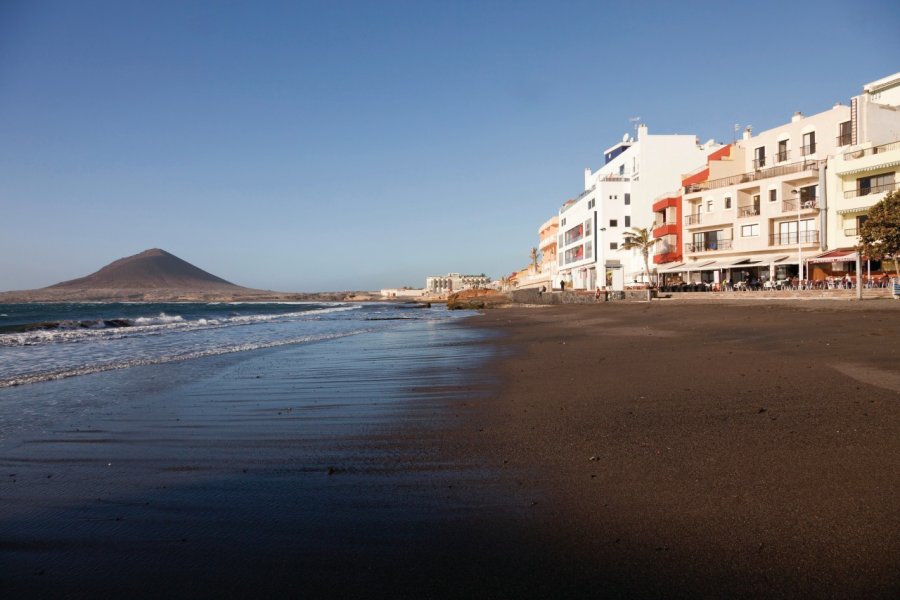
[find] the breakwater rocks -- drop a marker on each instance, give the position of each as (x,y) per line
(477,299)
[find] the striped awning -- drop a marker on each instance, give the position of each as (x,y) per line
(832,256)
(886,165)
(854,211)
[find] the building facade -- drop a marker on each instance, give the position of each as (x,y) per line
(454,282)
(619,196)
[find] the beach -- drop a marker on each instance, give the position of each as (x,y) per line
(611,450)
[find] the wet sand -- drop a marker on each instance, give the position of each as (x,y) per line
(620,450)
(714,450)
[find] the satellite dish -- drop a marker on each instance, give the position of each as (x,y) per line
(625,138)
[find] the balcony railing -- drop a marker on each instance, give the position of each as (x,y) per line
(805,204)
(782,155)
(759,163)
(663,249)
(807,150)
(873,150)
(786,239)
(797,167)
(874,189)
(709,246)
(748,211)
(692,219)
(844,139)
(851,232)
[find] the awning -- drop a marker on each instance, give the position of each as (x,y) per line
(713,266)
(877,167)
(854,211)
(697,266)
(676,268)
(832,256)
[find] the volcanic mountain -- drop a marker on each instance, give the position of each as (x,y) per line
(151,276)
(153,269)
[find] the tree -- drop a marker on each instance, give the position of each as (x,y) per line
(879,235)
(534,260)
(640,238)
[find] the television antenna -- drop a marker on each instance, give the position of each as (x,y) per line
(634,120)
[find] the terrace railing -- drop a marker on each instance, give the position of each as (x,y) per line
(873,150)
(708,246)
(786,239)
(797,167)
(692,219)
(805,204)
(874,189)
(748,211)
(808,149)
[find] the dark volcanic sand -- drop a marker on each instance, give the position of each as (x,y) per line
(625,450)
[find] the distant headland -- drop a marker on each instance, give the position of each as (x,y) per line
(158,276)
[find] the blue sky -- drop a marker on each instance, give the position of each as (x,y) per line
(306,146)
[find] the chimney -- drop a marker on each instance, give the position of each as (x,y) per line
(748,132)
(642,131)
(797,117)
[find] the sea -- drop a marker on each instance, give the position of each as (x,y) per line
(222,450)
(40,342)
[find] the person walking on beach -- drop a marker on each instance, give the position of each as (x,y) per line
(562,285)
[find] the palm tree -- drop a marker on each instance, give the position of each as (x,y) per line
(640,238)
(534,260)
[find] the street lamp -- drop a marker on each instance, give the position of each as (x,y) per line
(799,244)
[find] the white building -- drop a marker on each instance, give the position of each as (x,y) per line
(861,173)
(454,282)
(619,196)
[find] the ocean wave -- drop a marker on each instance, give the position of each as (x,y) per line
(125,364)
(110,329)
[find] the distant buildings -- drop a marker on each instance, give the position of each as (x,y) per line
(454,282)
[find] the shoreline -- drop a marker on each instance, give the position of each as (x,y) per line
(744,451)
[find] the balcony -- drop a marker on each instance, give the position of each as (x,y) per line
(844,139)
(807,150)
(664,229)
(709,246)
(547,242)
(791,238)
(782,155)
(748,211)
(873,150)
(692,219)
(759,163)
(810,203)
(851,232)
(797,167)
(663,249)
(874,189)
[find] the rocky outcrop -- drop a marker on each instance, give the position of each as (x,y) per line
(477,300)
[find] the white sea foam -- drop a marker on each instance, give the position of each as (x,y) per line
(115,365)
(155,326)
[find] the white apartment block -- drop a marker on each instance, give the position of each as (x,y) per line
(794,195)
(764,207)
(616,197)
(863,172)
(454,282)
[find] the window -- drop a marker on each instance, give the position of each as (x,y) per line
(750,230)
(627,199)
(760,157)
(709,205)
(627,221)
(787,232)
(589,250)
(621,169)
(591,203)
(587,227)
(844,134)
(727,202)
(773,195)
(574,234)
(613,222)
(782,151)
(756,204)
(613,245)
(809,143)
(574,254)
(563,223)
(875,184)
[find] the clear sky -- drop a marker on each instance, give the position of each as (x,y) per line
(307,146)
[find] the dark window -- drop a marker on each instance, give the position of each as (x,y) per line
(627,199)
(773,195)
(760,160)
(809,143)
(613,245)
(844,134)
(782,151)
(613,223)
(628,221)
(727,201)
